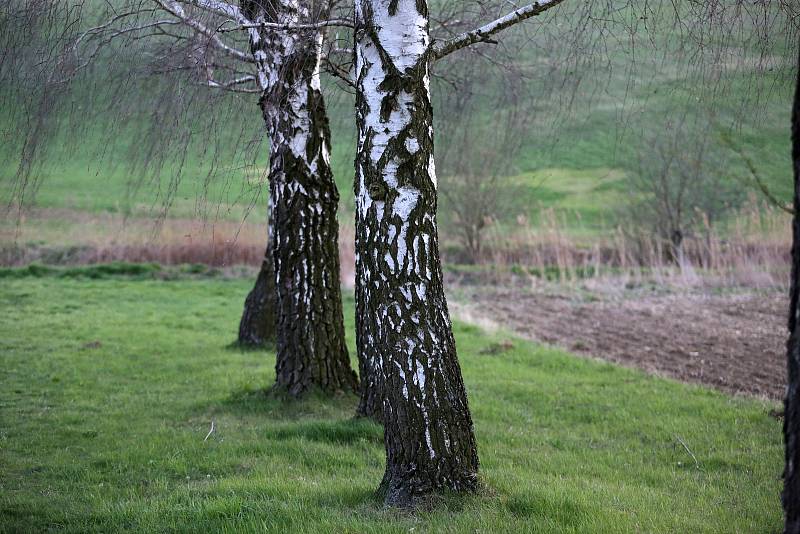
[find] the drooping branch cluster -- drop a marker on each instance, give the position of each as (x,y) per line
(183,35)
(206,37)
(207,40)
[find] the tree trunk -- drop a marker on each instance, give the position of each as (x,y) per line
(403,325)
(791,421)
(258,323)
(311,350)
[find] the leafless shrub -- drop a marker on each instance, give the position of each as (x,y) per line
(754,251)
(682,186)
(481,149)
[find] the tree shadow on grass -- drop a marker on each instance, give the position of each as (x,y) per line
(361,501)
(238,346)
(369,503)
(276,404)
(341,432)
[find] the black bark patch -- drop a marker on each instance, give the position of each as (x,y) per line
(377,191)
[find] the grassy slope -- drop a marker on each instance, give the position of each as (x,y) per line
(574,158)
(108,388)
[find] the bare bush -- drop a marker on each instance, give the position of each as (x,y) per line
(679,190)
(753,251)
(481,148)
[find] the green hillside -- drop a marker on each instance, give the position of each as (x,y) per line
(590,112)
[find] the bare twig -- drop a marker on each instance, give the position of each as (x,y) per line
(217,7)
(289,27)
(233,85)
(209,432)
(484,33)
(751,167)
(687,449)
(176,10)
(338,72)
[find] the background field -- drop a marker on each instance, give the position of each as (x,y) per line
(590,117)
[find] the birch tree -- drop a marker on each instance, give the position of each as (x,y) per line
(258,325)
(409,366)
(303,201)
(273,50)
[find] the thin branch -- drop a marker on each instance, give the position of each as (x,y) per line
(130,29)
(100,28)
(484,33)
(751,167)
(210,431)
(290,26)
(231,85)
(218,7)
(97,33)
(177,10)
(338,50)
(338,72)
(687,449)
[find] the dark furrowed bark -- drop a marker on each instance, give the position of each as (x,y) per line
(258,324)
(370,404)
(311,344)
(311,349)
(791,423)
(403,325)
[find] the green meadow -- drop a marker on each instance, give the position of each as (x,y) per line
(111,380)
(125,407)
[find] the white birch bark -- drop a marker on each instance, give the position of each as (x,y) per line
(311,350)
(403,326)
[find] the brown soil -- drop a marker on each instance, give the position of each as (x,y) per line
(732,342)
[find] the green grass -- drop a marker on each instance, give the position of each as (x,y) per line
(136,271)
(582,198)
(79,180)
(108,389)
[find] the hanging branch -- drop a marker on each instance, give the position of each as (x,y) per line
(233,85)
(751,167)
(177,10)
(217,7)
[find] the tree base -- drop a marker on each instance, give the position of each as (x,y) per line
(412,491)
(257,328)
(296,393)
(297,387)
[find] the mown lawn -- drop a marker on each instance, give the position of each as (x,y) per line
(108,388)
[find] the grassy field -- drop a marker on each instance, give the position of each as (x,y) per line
(109,385)
(111,375)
